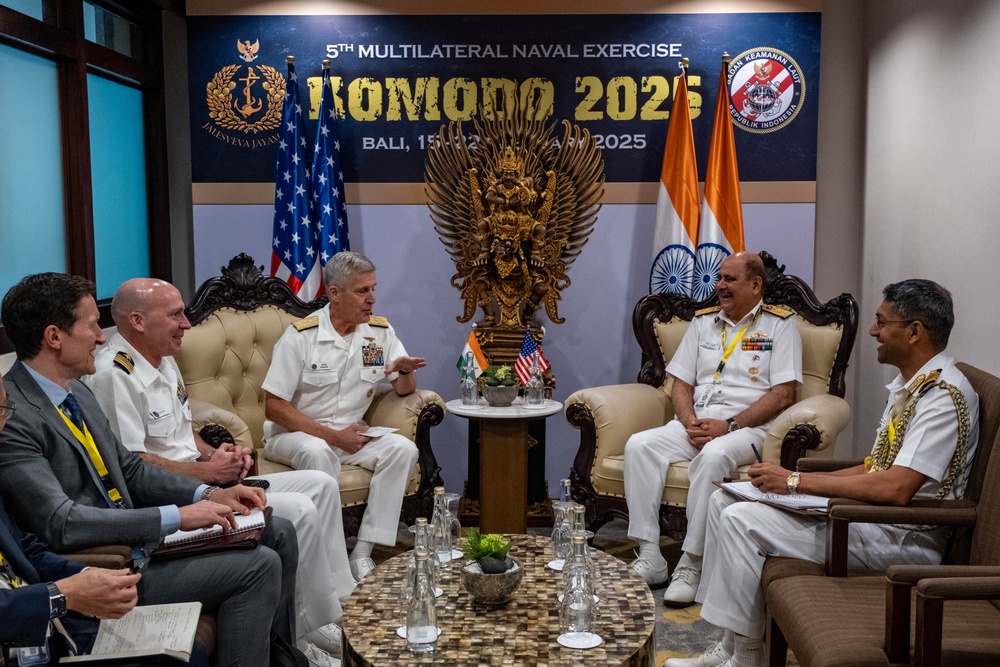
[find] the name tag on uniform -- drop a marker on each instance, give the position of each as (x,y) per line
(157,415)
(371,354)
(705,397)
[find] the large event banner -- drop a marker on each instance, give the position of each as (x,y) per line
(397,79)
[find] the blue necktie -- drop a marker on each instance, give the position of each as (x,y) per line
(71,407)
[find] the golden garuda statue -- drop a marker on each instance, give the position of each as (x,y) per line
(514,203)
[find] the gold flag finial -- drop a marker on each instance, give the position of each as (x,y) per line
(290,60)
(725,57)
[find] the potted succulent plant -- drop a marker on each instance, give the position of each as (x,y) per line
(491,576)
(499,385)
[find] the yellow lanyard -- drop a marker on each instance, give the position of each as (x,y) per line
(727,352)
(7,572)
(95,456)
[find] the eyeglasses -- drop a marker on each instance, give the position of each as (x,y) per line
(881,324)
(8,409)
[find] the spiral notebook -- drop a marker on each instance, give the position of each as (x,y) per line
(246,535)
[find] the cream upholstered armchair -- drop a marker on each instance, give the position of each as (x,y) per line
(236,319)
(608,415)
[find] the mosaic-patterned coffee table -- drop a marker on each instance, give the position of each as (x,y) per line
(523,632)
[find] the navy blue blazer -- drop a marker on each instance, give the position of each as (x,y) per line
(25,610)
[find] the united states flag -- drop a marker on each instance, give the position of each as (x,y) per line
(328,178)
(526,358)
(294,254)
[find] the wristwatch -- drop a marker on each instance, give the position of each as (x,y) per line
(732,425)
(793,482)
(57,602)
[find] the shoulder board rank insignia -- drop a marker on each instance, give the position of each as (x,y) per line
(777,310)
(924,382)
(707,311)
(378,321)
(124,362)
(306,323)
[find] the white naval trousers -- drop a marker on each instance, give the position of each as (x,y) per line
(390,458)
(311,501)
(648,455)
(742,534)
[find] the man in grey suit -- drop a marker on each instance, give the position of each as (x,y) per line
(65,477)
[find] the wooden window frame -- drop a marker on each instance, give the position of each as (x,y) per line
(64,43)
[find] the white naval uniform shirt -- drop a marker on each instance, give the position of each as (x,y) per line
(148,408)
(748,374)
(324,375)
(932,435)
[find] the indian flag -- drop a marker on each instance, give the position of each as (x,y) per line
(721,230)
(478,358)
(676,233)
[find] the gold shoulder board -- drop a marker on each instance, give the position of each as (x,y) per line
(306,323)
(378,321)
(707,311)
(124,362)
(777,311)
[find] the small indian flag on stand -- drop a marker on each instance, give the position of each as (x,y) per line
(478,358)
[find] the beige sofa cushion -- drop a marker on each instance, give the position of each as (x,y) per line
(226,357)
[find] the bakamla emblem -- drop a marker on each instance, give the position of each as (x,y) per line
(766,90)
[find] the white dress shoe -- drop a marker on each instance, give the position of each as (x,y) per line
(360,567)
(683,587)
(713,657)
(319,658)
(654,575)
(329,638)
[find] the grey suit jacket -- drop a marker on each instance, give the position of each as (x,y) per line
(51,489)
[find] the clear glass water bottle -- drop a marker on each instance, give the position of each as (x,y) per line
(470,392)
(440,533)
(534,391)
(421,540)
(562,524)
(421,616)
(576,609)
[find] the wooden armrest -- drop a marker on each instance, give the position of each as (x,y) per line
(931,595)
(962,588)
(913,574)
(110,556)
(826,465)
(844,512)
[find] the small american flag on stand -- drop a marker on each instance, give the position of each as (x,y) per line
(293,246)
(526,358)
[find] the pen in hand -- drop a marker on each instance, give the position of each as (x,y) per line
(756,453)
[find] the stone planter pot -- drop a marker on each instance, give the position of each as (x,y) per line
(500,396)
(494,589)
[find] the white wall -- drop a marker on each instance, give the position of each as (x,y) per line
(930,179)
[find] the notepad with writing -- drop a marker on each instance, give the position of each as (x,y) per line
(144,633)
(798,502)
(246,535)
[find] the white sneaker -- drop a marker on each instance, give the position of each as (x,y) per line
(713,657)
(319,658)
(360,567)
(683,587)
(329,638)
(654,575)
